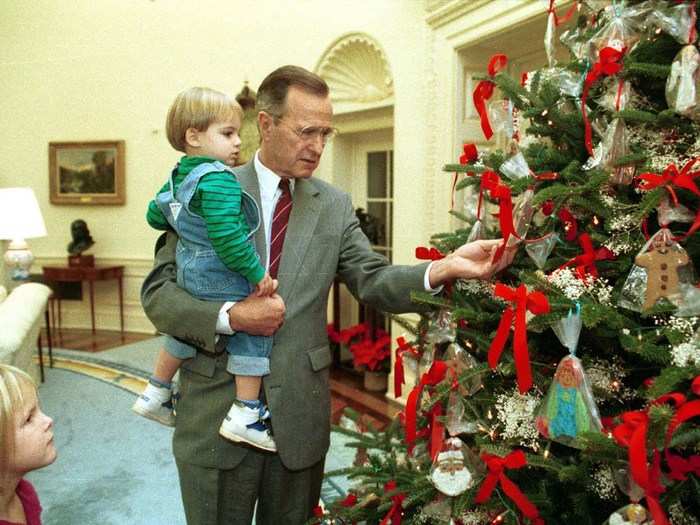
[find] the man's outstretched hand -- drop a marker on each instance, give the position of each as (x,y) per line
(473,260)
(257,315)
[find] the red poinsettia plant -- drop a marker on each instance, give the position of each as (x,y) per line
(370,348)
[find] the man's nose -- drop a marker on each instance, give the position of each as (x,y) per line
(317,144)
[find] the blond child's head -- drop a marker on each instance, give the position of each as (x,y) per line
(191,115)
(26,433)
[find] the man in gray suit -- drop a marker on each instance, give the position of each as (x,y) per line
(222,481)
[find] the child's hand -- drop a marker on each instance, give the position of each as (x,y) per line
(266,286)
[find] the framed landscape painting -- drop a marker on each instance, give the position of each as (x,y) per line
(86,172)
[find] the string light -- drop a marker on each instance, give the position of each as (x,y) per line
(489,414)
(546,451)
(544,113)
(549,122)
(596,220)
(499,518)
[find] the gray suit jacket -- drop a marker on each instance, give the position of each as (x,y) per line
(323,240)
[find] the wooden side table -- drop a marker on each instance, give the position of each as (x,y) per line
(62,274)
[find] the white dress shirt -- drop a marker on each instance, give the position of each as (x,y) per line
(270,192)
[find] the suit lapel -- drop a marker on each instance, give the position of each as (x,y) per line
(302,223)
(249,183)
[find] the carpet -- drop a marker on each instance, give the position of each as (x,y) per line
(114,467)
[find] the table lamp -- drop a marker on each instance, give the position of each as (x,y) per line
(20,219)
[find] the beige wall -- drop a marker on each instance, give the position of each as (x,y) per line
(108,69)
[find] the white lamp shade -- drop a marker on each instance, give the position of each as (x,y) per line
(20,216)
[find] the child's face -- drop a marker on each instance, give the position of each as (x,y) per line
(34,446)
(220,141)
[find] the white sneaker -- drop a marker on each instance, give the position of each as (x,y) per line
(156,403)
(244,425)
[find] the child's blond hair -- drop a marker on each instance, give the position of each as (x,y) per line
(13,385)
(198,108)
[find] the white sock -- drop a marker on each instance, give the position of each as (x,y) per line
(157,392)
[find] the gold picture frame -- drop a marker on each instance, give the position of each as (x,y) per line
(87,172)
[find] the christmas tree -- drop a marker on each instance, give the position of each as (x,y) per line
(566,390)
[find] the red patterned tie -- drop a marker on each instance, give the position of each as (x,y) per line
(279,227)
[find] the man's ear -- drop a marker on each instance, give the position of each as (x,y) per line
(265,121)
(192,138)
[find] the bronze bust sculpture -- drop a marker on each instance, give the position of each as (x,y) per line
(82,240)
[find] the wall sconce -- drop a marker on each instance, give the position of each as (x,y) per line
(20,219)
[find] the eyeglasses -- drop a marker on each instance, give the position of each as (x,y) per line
(311,133)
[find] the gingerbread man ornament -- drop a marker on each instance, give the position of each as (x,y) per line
(661,263)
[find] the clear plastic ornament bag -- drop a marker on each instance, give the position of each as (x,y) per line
(577,42)
(549,35)
(615,147)
(501,116)
(523,211)
(515,166)
(690,301)
(621,29)
(476,233)
(569,408)
(442,329)
(676,20)
(661,267)
(470,203)
(462,362)
(616,95)
(683,83)
(457,421)
(568,329)
(450,472)
(540,250)
(624,481)
(567,82)
(668,213)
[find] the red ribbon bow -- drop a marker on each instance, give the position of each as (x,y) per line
(394,514)
(608,64)
(398,364)
(632,433)
(429,254)
(497,465)
(681,467)
(432,377)
(585,263)
(535,302)
(501,193)
(672,177)
(470,154)
(484,91)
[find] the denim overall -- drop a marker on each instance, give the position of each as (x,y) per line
(204,275)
